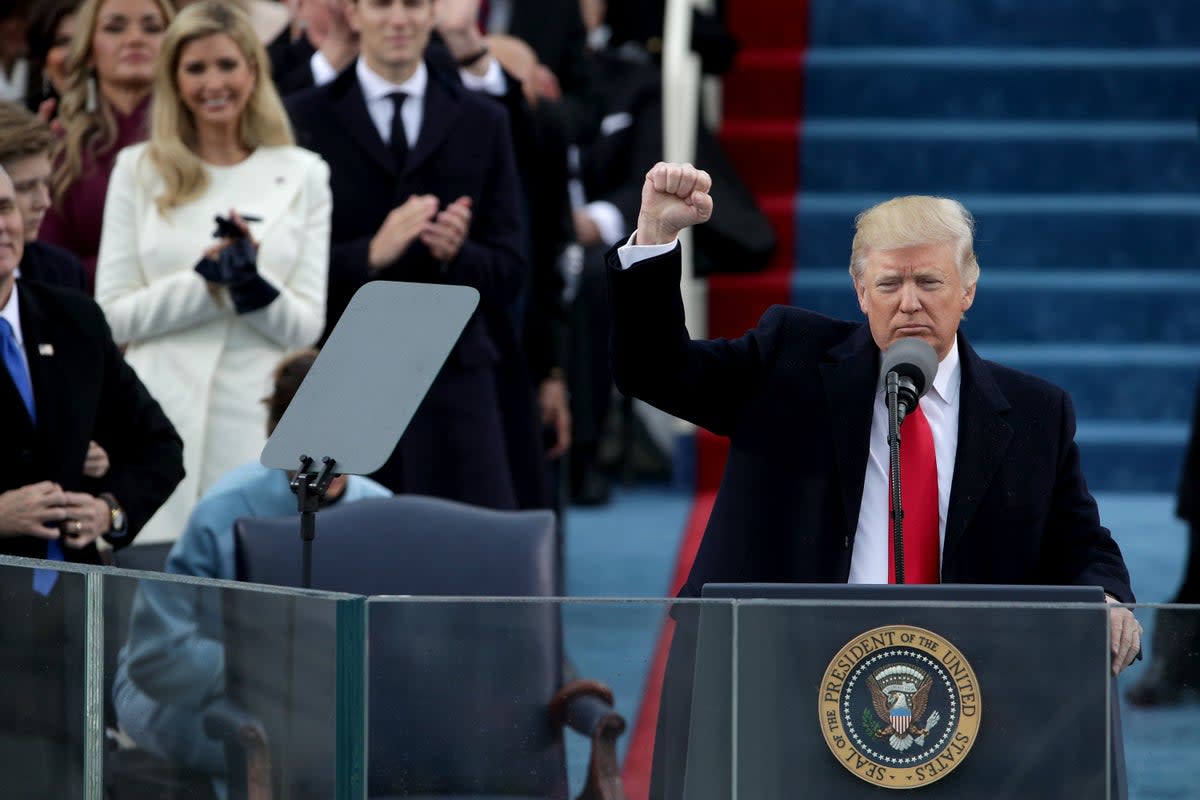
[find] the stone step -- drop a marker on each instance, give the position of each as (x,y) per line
(1004,23)
(950,157)
(1030,231)
(973,83)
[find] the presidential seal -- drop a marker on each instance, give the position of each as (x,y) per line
(899,707)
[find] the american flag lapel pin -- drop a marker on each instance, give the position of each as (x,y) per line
(45,349)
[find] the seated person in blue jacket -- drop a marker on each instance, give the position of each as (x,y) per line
(173,665)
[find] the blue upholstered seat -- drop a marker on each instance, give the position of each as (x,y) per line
(460,693)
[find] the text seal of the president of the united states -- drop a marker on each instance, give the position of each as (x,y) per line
(900,707)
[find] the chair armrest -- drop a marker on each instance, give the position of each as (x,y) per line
(586,706)
(247,755)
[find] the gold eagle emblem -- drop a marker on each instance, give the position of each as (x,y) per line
(900,695)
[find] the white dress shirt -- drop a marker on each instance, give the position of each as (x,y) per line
(12,84)
(871,557)
(630,253)
(12,313)
(493,81)
(377,93)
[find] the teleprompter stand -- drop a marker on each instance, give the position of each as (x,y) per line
(364,388)
(310,488)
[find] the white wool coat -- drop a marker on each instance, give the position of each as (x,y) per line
(208,366)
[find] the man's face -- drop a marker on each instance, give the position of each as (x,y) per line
(393,34)
(31,179)
(12,236)
(913,291)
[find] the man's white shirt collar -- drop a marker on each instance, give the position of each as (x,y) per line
(375,87)
(949,376)
(947,381)
(12,313)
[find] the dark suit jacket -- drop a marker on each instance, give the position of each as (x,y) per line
(555,31)
(291,62)
(1187,502)
(83,390)
(464,148)
(795,396)
(48,263)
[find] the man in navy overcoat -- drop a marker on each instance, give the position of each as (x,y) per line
(441,206)
(804,497)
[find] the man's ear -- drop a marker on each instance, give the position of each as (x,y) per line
(860,290)
(351,9)
(968,297)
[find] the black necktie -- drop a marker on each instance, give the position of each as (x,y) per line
(399,142)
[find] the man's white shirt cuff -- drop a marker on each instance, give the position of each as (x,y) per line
(630,253)
(493,81)
(322,71)
(609,220)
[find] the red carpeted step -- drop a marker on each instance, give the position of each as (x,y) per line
(768,23)
(781,213)
(737,301)
(765,153)
(763,106)
(765,84)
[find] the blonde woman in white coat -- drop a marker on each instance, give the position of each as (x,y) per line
(220,145)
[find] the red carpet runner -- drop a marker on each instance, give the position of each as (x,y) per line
(763,105)
(636,773)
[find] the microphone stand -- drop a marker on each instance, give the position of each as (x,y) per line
(894,419)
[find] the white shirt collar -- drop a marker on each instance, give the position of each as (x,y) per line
(12,313)
(947,381)
(375,87)
(949,375)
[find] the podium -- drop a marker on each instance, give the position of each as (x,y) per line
(849,691)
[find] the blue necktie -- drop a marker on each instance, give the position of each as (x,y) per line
(16,366)
(43,579)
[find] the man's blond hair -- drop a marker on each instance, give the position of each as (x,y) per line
(916,220)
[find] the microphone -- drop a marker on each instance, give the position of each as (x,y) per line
(915,364)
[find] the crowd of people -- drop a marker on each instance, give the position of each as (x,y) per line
(191,194)
(526,129)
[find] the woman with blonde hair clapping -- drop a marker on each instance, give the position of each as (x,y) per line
(205,313)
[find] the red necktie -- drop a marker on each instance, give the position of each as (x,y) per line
(919,486)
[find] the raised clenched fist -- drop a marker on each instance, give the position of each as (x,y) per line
(674,196)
